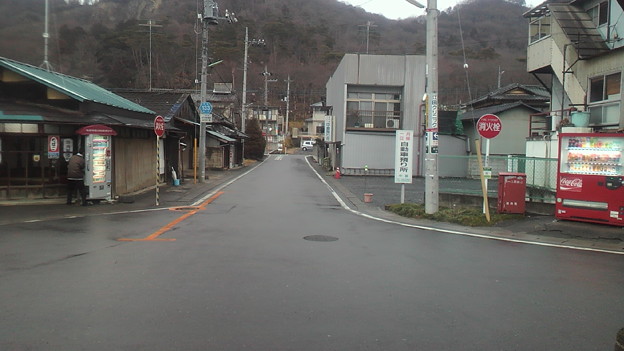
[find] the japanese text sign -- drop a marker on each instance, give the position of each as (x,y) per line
(489,126)
(403,156)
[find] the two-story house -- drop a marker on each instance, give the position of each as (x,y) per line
(513,104)
(578,47)
(373,96)
(271,123)
(315,125)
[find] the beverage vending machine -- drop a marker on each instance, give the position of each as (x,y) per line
(590,178)
(98,161)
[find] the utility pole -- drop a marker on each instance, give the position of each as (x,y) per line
(431,160)
(431,151)
(244,100)
(266,75)
(209,17)
(369,24)
(287,107)
(150,24)
(46,64)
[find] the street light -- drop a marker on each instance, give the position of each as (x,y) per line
(431,89)
(416,3)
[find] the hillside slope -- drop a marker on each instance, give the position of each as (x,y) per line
(109,43)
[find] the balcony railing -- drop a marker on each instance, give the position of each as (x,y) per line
(541,124)
(363,119)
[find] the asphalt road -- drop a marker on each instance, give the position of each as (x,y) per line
(237,273)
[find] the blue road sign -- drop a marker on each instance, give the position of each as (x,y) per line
(205,107)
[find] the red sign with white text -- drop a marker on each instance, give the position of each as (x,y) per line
(489,126)
(159,126)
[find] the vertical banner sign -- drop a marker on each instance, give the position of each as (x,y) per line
(54,147)
(68,148)
(159,130)
(403,156)
(432,125)
(328,127)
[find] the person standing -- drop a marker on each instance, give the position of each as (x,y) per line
(75,178)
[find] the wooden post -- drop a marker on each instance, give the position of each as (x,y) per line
(157,169)
(486,207)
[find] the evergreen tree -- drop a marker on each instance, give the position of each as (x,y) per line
(254,146)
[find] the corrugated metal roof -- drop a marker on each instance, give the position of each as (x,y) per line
(79,89)
(580,29)
(542,9)
(18,112)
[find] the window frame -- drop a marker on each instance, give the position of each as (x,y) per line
(605,95)
(540,24)
(600,14)
(371,116)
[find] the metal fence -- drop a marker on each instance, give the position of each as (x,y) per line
(460,175)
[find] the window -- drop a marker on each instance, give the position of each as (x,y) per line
(604,99)
(379,110)
(600,14)
(539,29)
(605,87)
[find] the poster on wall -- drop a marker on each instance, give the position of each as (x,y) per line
(54,147)
(68,148)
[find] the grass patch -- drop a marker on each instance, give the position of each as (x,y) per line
(467,216)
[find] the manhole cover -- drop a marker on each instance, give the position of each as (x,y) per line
(320,238)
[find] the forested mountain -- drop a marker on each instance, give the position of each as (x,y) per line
(109,43)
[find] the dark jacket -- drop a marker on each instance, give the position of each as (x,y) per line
(75,168)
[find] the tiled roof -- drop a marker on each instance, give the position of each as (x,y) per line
(79,89)
(514,92)
(476,114)
(165,104)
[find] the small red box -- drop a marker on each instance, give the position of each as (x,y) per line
(511,192)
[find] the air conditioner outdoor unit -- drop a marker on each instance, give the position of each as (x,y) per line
(392,123)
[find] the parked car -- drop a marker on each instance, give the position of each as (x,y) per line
(307,145)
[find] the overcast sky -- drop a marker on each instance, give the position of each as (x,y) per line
(399,9)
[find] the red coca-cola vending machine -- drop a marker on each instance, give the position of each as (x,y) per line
(590,178)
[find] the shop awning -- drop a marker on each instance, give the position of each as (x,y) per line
(98,129)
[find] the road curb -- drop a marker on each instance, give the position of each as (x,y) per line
(495,233)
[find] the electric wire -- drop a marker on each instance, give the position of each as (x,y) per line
(461,35)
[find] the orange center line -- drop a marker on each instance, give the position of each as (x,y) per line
(170,225)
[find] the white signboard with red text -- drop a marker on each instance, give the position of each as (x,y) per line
(403,156)
(54,147)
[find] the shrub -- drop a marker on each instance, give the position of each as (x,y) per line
(255,145)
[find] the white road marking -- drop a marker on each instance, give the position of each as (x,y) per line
(475,235)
